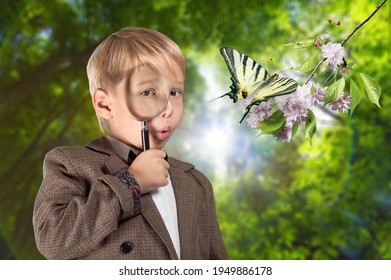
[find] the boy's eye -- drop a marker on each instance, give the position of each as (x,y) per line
(176,92)
(148,92)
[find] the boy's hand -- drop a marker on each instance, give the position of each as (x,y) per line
(150,169)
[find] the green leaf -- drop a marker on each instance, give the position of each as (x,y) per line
(295,128)
(273,124)
(310,125)
(356,96)
(334,91)
(310,63)
(372,88)
(301,44)
(323,67)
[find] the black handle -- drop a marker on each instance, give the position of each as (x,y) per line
(144,135)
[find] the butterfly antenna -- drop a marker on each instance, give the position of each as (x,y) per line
(245,113)
(219,97)
(275,71)
(286,70)
(272,65)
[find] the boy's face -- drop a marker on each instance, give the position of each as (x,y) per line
(145,81)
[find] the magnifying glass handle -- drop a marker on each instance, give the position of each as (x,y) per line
(144,135)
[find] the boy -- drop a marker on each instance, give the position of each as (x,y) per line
(108,200)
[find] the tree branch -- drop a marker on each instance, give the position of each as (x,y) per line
(20,90)
(365,21)
(314,71)
(347,38)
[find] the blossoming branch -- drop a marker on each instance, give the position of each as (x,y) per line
(281,116)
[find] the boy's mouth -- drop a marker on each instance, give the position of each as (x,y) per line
(163,133)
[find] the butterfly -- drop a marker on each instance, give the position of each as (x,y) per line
(249,78)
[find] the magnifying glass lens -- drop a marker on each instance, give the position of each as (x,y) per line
(144,105)
(140,94)
(141,97)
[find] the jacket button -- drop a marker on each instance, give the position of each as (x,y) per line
(126,247)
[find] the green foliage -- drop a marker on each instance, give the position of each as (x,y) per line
(310,63)
(273,124)
(334,91)
(372,88)
(356,96)
(310,125)
(301,44)
(333,202)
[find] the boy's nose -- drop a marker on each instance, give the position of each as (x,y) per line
(168,110)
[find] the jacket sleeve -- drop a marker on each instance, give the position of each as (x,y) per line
(72,216)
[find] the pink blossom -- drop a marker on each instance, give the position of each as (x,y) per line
(333,53)
(304,93)
(318,95)
(296,113)
(295,105)
(342,104)
(259,114)
(285,135)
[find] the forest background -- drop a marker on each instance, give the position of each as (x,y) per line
(328,200)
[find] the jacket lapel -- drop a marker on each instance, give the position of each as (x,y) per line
(185,200)
(152,215)
(149,210)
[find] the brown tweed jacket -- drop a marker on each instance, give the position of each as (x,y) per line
(83,211)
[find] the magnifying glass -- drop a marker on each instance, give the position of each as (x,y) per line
(140,98)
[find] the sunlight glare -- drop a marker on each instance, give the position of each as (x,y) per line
(216,146)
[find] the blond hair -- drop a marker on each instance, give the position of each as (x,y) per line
(125,49)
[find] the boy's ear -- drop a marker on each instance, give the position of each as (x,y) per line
(102,104)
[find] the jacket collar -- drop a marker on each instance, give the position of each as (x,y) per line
(102,145)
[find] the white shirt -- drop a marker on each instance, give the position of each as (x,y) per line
(163,197)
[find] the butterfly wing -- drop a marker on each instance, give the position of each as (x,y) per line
(272,87)
(246,74)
